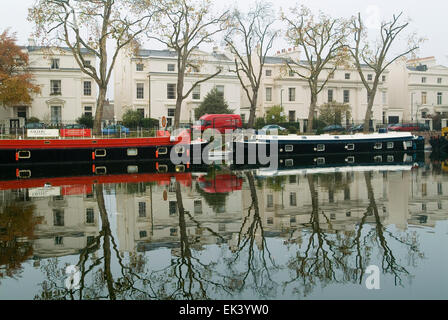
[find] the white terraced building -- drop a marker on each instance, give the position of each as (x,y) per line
(418,89)
(279,87)
(146,82)
(66,92)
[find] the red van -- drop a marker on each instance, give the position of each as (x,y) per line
(220,122)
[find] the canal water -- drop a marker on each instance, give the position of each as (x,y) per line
(254,234)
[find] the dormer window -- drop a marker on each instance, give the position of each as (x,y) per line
(54,64)
(347,76)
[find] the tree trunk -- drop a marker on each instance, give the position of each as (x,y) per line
(179,99)
(99,110)
(253,109)
(313,106)
(370,102)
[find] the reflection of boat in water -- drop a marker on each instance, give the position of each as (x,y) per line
(439,144)
(220,183)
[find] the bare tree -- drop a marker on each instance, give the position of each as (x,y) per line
(87,27)
(183,25)
(322,40)
(376,56)
(249,38)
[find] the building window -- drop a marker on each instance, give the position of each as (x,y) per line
(439,189)
(424,97)
(197,93)
(172,208)
(90,216)
(439,98)
(384,98)
(347,76)
(171,112)
(55,87)
(87,63)
(292,116)
(270,201)
(369,77)
(439,80)
(292,94)
(54,64)
(293,199)
(142,209)
(58,217)
(87,88)
(220,89)
(139,67)
(346,96)
(56,116)
(171,67)
(198,207)
(330,95)
(269,94)
(384,78)
(88,110)
(58,241)
(331,75)
(291,73)
(140,90)
(268,73)
(143,234)
(171,91)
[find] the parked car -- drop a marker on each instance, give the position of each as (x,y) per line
(271,128)
(115,129)
(334,128)
(360,128)
(75,126)
(35,125)
(409,127)
(220,122)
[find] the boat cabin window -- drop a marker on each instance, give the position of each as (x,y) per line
(378,146)
(24,154)
(320,161)
(180,168)
(179,149)
(289,148)
(132,152)
(132,169)
(378,159)
(24,174)
(351,147)
(350,159)
(163,168)
(320,147)
(100,170)
(408,144)
(289,162)
(390,159)
(390,145)
(100,153)
(162,150)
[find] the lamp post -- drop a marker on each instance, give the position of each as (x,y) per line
(281,97)
(412,106)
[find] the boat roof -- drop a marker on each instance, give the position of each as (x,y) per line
(358,136)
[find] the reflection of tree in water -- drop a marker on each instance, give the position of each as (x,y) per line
(330,257)
(17,223)
(252,252)
(96,261)
(187,277)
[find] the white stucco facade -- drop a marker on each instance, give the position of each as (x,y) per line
(63,97)
(293,93)
(146,81)
(419,89)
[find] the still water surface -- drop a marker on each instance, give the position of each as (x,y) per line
(230,235)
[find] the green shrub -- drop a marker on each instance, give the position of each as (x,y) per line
(132,118)
(33,120)
(260,123)
(149,123)
(85,119)
(292,130)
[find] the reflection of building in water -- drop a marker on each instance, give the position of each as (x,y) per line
(67,222)
(151,215)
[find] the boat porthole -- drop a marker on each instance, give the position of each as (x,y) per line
(180,168)
(378,159)
(100,153)
(320,161)
(289,162)
(378,146)
(24,154)
(163,168)
(132,169)
(162,150)
(100,170)
(320,148)
(390,159)
(350,147)
(350,159)
(24,174)
(132,152)
(390,145)
(289,148)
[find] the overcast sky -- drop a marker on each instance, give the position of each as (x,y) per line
(428,18)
